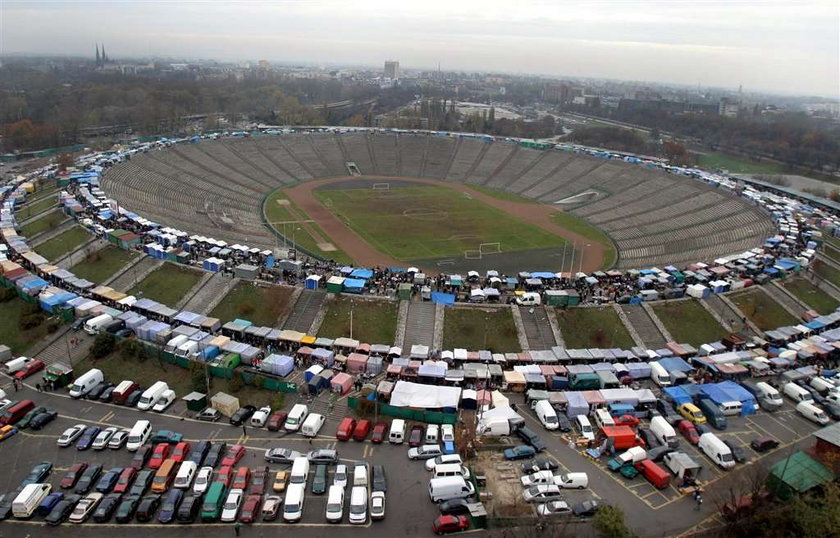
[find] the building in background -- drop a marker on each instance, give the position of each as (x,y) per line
(392,70)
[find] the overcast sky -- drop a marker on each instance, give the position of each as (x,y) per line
(786,46)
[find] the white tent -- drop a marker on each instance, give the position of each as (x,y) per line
(407,394)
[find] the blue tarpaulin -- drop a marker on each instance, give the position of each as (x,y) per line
(353,285)
(675,363)
(363,274)
(677,394)
(446,299)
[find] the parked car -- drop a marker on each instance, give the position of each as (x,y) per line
(198,453)
(519,452)
(656,454)
(424,452)
(340,476)
(738,452)
(259,417)
(563,423)
(72,475)
(542,493)
(49,502)
(107,482)
(202,480)
(380,431)
(190,506)
(31,368)
(271,507)
(118,440)
(587,508)
(160,454)
(249,508)
(85,507)
(38,473)
(23,423)
(454,507)
(141,457)
(648,437)
(107,507)
(101,441)
(125,480)
(169,508)
(531,438)
(166,436)
(280,481)
(209,414)
(147,508)
(319,480)
(276,421)
(380,479)
(259,478)
(322,455)
(127,508)
(448,524)
(763,444)
(7,431)
(70,435)
(42,419)
(86,440)
(241,415)
(554,508)
(377,505)
(142,482)
(281,455)
(181,451)
(61,511)
(225,475)
(231,507)
(88,478)
(233,455)
(689,431)
(215,453)
(242,478)
(415,438)
(539,464)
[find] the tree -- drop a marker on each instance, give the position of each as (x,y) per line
(103,345)
(609,521)
(235,384)
(198,378)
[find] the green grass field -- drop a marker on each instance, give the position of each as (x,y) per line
(278,213)
(766,313)
(597,327)
(374,322)
(42,224)
(63,243)
(720,161)
(10,333)
(688,322)
(811,295)
(830,250)
(36,206)
(411,223)
(502,195)
(167,285)
(826,271)
(261,305)
(580,226)
(100,265)
(476,329)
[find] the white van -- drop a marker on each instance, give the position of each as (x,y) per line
(28,500)
(164,401)
(712,446)
(603,418)
(659,375)
(293,505)
(186,349)
(449,487)
(173,344)
(812,413)
(571,480)
(529,298)
(335,504)
(432,434)
(450,469)
(300,471)
(546,415)
(151,395)
(397,433)
(138,435)
(185,475)
(312,425)
(732,408)
(360,474)
(296,417)
(664,432)
(770,394)
(94,325)
(585,427)
(358,505)
(821,384)
(796,393)
(16,364)
(85,382)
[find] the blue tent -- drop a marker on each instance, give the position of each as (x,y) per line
(353,285)
(363,274)
(675,363)
(446,299)
(677,394)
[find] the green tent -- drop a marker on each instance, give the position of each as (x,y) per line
(797,474)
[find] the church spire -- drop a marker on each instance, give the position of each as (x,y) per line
(98,58)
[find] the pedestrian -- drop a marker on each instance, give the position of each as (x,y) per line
(244,431)
(38,387)
(15,384)
(698,498)
(237,527)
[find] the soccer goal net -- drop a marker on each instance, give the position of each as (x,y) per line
(381,186)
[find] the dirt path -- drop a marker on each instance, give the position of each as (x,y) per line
(365,255)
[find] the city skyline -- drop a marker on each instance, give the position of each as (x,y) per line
(762,45)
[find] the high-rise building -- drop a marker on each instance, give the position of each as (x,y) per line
(392,70)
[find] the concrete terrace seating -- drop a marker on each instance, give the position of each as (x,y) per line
(653,217)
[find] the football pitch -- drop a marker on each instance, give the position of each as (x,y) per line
(422,222)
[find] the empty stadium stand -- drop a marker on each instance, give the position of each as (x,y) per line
(653,217)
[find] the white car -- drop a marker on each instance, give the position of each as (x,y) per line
(70,435)
(118,440)
(571,480)
(377,505)
(441,460)
(335,504)
(202,480)
(101,440)
(260,416)
(340,476)
(540,477)
(554,508)
(425,452)
(231,508)
(85,507)
(447,433)
(542,493)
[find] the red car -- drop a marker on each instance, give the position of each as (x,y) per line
(182,450)
(160,454)
(416,437)
(72,476)
(276,421)
(249,508)
(233,455)
(362,429)
(345,429)
(30,368)
(627,420)
(379,432)
(689,431)
(125,480)
(259,478)
(225,475)
(447,524)
(240,481)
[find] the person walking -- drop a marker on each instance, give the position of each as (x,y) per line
(237,527)
(15,384)
(38,387)
(698,498)
(244,431)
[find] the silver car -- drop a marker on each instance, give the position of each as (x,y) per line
(322,455)
(101,440)
(281,455)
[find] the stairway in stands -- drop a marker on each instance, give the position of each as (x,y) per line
(419,324)
(537,328)
(647,330)
(305,310)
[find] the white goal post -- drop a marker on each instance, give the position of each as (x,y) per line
(490,248)
(472,254)
(381,186)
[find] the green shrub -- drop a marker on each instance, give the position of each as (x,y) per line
(610,523)
(103,345)
(235,384)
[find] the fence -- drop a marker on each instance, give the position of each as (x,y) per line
(419,415)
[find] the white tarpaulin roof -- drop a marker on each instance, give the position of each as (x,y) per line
(408,394)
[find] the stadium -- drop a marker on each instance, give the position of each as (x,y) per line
(441,202)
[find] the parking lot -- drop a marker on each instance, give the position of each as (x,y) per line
(408,508)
